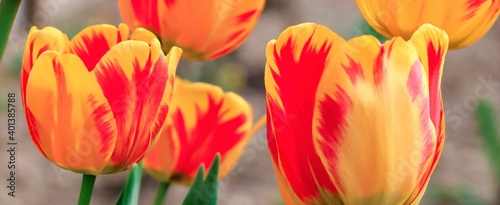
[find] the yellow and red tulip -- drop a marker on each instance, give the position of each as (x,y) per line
(465,21)
(203,121)
(95,104)
(354,122)
(205,30)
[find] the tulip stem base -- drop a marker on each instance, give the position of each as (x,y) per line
(86,190)
(160,194)
(130,192)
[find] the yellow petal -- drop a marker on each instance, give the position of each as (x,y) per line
(374,131)
(431,45)
(162,160)
(141,34)
(71,117)
(39,41)
(465,21)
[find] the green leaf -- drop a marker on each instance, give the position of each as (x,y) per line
(486,120)
(204,192)
(160,193)
(130,192)
(8,11)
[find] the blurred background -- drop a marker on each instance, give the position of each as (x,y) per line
(463,175)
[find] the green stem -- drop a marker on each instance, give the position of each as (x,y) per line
(485,114)
(86,190)
(8,11)
(120,197)
(160,194)
(130,192)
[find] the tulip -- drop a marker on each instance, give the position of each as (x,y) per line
(95,104)
(465,21)
(354,122)
(203,121)
(205,30)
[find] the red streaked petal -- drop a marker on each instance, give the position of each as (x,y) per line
(472,6)
(74,124)
(208,121)
(39,41)
(465,21)
(287,193)
(331,126)
(140,13)
(236,117)
(133,77)
(370,124)
(172,60)
(431,43)
(93,42)
(368,130)
(477,19)
(295,63)
(221,26)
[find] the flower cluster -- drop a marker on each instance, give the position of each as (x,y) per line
(348,122)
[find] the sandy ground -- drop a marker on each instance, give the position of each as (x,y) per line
(470,73)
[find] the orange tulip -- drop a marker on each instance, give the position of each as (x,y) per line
(203,121)
(354,122)
(465,21)
(95,104)
(205,30)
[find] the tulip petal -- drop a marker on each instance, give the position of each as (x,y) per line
(237,113)
(172,59)
(141,12)
(465,21)
(133,77)
(211,28)
(481,21)
(94,41)
(39,41)
(295,63)
(287,193)
(74,123)
(208,121)
(431,43)
(381,120)
(141,34)
(162,160)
